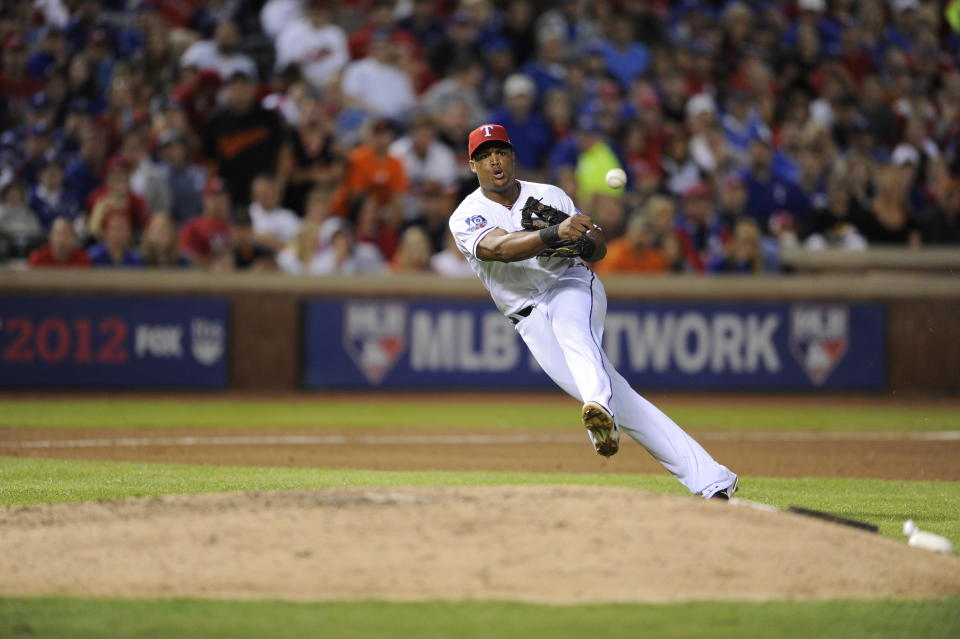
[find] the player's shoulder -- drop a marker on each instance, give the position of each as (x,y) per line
(547,193)
(472,213)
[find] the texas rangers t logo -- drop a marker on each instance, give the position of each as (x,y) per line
(487,128)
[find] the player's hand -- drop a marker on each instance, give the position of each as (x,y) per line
(574,227)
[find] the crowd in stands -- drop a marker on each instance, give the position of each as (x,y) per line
(316,137)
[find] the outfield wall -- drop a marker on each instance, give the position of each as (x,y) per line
(864,332)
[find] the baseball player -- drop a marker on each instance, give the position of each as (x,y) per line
(527,243)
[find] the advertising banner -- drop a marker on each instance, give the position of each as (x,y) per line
(117,342)
(749,346)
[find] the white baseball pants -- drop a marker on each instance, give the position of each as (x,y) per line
(564,332)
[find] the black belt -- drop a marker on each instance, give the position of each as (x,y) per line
(523,312)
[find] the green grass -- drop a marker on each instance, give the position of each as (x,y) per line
(425,412)
(934,506)
(187,619)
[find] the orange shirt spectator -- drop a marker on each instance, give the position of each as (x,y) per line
(61,251)
(373,172)
(635,252)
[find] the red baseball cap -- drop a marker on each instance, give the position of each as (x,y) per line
(487,133)
(215,185)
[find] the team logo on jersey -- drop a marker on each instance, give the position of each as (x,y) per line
(475,223)
(207,341)
(819,337)
(374,335)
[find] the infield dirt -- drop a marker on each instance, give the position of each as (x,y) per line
(544,544)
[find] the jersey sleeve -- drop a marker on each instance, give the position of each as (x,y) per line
(468,229)
(564,202)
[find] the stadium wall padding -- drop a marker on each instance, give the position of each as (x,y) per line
(266,334)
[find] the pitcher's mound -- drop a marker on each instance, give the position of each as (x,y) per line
(534,543)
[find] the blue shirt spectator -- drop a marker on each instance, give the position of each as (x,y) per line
(114,249)
(528,129)
(626,58)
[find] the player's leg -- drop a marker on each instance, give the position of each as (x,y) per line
(537,333)
(576,317)
(669,444)
(582,296)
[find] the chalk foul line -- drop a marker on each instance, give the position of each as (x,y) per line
(453,440)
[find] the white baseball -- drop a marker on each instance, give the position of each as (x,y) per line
(616,178)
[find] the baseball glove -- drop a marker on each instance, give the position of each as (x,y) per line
(536,216)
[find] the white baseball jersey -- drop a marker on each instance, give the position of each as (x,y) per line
(564,332)
(321,53)
(513,285)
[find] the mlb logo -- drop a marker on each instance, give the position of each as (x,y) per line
(375,336)
(819,338)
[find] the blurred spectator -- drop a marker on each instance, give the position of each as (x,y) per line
(547,68)
(49,53)
(425,160)
(36,146)
(317,207)
(249,253)
(789,94)
(205,240)
(221,54)
(49,199)
(888,220)
(461,85)
(342,254)
(680,169)
(742,124)
(572,19)
(185,180)
(701,232)
(61,250)
(316,154)
(302,255)
(86,171)
(832,223)
(20,228)
(115,247)
(594,159)
(434,203)
(379,18)
(450,262)
(115,196)
(15,83)
(768,194)
(158,245)
(273,225)
(528,130)
(311,41)
(413,252)
(626,58)
(147,178)
(376,85)
(423,25)
(635,252)
(197,94)
(373,226)
(745,256)
(243,140)
(372,173)
(460,41)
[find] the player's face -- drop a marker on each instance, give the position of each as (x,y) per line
(494,166)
